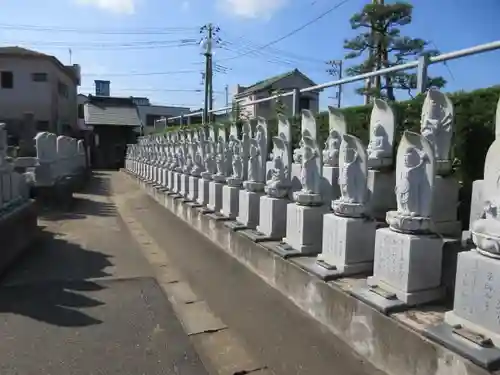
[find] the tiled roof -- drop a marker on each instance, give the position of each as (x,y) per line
(267,83)
(115,113)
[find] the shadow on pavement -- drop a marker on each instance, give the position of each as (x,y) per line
(80,209)
(51,283)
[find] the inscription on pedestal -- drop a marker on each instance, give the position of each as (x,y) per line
(390,264)
(477,298)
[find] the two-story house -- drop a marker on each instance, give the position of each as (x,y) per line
(38,84)
(281,83)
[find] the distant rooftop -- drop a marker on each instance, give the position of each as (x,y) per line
(109,110)
(16,51)
(268,82)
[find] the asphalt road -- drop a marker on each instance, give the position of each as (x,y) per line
(83,300)
(278,333)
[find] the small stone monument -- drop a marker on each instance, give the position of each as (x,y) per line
(165,162)
(219,178)
(231,191)
(437,128)
(188,162)
(304,218)
(472,328)
(344,250)
(176,163)
(337,128)
(208,147)
(381,176)
(197,168)
(272,218)
(45,172)
(407,264)
(256,147)
(477,198)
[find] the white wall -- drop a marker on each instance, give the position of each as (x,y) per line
(160,110)
(26,95)
(40,98)
(267,109)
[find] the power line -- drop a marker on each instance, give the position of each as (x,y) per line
(123,47)
(108,44)
(153,90)
(272,51)
(141,74)
(338,5)
(142,31)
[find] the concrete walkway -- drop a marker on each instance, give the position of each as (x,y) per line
(274,330)
(90,298)
(84,301)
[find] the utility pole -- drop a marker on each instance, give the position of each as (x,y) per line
(207,44)
(335,70)
(227,101)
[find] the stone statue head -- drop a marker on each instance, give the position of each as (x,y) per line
(307,152)
(349,155)
(411,157)
(378,130)
(253,151)
(277,162)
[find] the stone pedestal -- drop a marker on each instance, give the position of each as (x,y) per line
(472,328)
(177,182)
(193,188)
(164,177)
(215,196)
(348,246)
(381,185)
(184,190)
(304,229)
(445,207)
(406,270)
(477,295)
(272,217)
(171,180)
(230,201)
(203,191)
(330,189)
(249,208)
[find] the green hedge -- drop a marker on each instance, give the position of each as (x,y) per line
(474,131)
(474,126)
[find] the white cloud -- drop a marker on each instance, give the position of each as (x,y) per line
(252,8)
(185,5)
(115,6)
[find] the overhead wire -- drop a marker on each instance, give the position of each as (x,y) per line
(141,31)
(289,34)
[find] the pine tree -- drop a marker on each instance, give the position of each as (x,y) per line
(382,41)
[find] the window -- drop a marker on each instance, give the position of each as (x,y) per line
(7,80)
(39,77)
(150,119)
(80,111)
(305,103)
(42,126)
(62,89)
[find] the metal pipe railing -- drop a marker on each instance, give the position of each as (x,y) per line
(397,68)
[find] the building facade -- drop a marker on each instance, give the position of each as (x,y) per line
(149,113)
(281,83)
(38,84)
(114,123)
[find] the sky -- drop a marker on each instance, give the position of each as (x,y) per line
(151,47)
